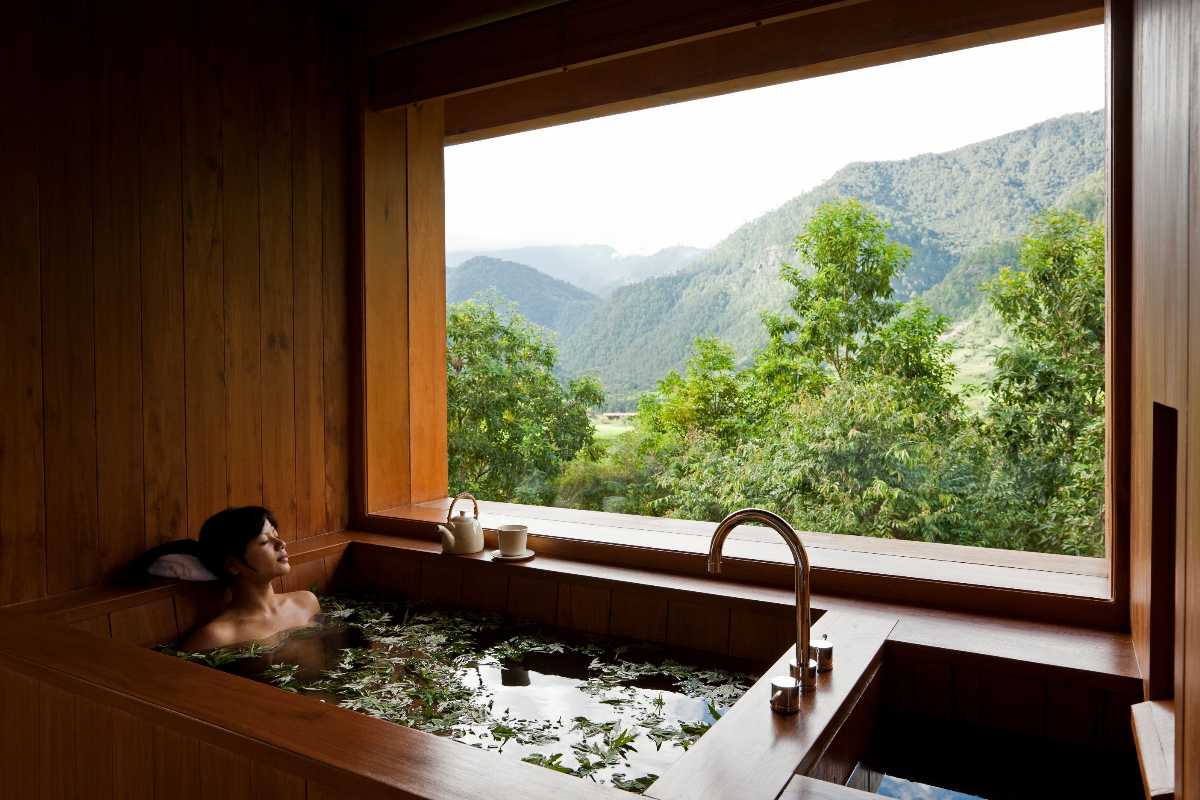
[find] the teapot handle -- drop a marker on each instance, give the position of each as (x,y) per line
(474,502)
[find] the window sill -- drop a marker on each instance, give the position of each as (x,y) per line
(1034,585)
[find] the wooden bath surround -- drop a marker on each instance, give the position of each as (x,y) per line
(87,710)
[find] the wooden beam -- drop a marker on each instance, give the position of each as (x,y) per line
(391,25)
(552,38)
(385,309)
(427,303)
(838,39)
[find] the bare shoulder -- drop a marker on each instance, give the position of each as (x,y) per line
(220,632)
(305,600)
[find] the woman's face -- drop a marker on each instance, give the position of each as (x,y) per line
(267,554)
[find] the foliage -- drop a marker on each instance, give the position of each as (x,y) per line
(423,667)
(844,291)
(942,206)
(553,304)
(849,420)
(512,425)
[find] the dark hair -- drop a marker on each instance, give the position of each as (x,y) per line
(225,534)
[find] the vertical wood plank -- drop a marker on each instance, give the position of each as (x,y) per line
(268,783)
(385,310)
(1160,280)
(56,744)
(163,404)
(68,297)
(307,242)
(116,203)
(19,740)
(146,625)
(1186,660)
(584,607)
(133,757)
(638,615)
(441,581)
(93,748)
(533,597)
(223,774)
(484,587)
(698,626)
(22,471)
(334,276)
(242,274)
(176,766)
(274,130)
(427,300)
(203,268)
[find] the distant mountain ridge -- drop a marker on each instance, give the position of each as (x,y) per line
(546,301)
(945,206)
(594,268)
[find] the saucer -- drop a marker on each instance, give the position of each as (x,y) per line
(498,556)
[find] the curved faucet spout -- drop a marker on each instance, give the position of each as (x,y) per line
(806,670)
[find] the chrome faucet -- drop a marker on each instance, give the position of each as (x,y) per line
(803,668)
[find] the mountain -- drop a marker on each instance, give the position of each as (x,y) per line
(549,302)
(593,268)
(948,207)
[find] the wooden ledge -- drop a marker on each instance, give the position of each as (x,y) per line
(1154,736)
(1105,656)
(350,752)
(1030,585)
(780,745)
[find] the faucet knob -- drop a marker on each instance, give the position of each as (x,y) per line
(811,682)
(822,651)
(785,694)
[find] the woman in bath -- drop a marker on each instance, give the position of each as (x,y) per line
(242,548)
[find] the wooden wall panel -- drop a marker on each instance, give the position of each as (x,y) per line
(385,306)
(22,507)
(19,743)
(1160,281)
(243,279)
(68,286)
(1187,554)
(163,365)
(116,240)
(308,273)
(203,272)
(427,292)
(335,292)
(278,286)
(173,253)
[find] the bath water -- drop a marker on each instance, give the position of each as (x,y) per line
(611,711)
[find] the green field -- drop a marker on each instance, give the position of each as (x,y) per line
(610,430)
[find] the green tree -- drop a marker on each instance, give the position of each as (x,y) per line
(847,296)
(512,425)
(1046,409)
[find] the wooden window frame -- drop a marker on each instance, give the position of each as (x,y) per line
(399,458)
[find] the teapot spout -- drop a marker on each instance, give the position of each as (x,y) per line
(447,539)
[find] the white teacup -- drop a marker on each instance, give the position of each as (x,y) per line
(512,539)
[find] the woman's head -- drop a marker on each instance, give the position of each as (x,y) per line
(242,544)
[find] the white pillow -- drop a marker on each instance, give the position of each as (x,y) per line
(182,567)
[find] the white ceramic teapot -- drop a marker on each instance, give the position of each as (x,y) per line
(462,534)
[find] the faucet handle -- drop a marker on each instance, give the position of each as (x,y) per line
(822,651)
(794,670)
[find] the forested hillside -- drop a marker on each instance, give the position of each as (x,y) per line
(960,212)
(543,300)
(594,268)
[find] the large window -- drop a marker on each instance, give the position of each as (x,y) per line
(873,302)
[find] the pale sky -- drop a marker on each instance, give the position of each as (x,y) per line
(691,173)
